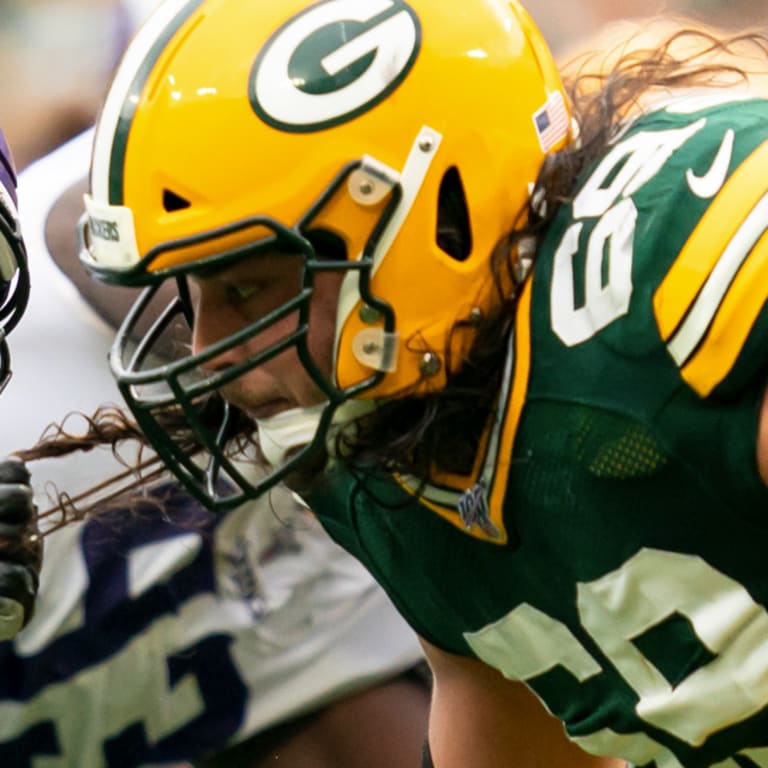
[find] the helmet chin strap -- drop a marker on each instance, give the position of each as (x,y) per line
(281,433)
(411,178)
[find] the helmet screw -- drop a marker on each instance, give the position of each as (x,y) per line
(371,348)
(476,316)
(369,314)
(426,143)
(429,364)
(366,187)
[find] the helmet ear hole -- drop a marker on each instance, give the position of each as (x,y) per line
(454,234)
(328,245)
(173,202)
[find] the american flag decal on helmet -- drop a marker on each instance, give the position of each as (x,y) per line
(551,121)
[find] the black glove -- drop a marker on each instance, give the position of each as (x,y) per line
(20,548)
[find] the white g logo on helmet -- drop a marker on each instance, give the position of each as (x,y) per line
(332,62)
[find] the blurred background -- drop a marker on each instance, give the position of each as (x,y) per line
(563,22)
(56,55)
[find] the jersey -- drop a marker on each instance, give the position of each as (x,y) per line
(610,549)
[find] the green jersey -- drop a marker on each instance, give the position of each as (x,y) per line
(610,550)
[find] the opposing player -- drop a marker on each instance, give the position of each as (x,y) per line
(14,273)
(526,323)
(174,636)
(20,549)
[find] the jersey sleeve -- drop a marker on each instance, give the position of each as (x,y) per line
(710,306)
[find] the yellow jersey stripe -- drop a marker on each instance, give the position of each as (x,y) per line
(718,284)
(737,314)
(700,255)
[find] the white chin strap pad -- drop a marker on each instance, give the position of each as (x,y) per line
(281,433)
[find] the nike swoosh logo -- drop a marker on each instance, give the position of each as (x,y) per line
(710,183)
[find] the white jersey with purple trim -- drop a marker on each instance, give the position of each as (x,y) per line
(156,641)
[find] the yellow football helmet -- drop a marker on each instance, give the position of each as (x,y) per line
(408,131)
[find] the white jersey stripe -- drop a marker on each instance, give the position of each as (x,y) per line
(704,309)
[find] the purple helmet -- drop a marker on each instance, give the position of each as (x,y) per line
(14,272)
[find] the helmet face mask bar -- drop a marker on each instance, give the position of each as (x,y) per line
(14,270)
(358,120)
(159,388)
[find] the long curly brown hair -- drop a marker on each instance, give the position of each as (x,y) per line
(142,486)
(108,426)
(420,435)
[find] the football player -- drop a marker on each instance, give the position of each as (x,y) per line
(223,640)
(250,636)
(505,335)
